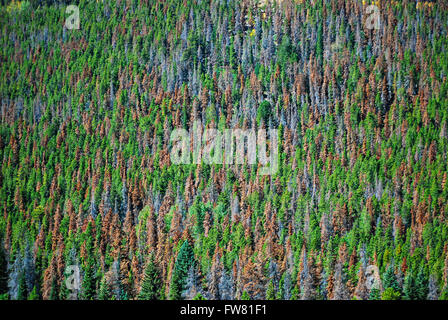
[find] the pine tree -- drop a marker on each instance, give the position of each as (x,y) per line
(104,290)
(3,270)
(390,280)
(150,289)
(199,297)
(444,293)
(185,259)
(270,294)
(34,295)
(409,289)
(374,294)
(53,294)
(245,296)
(88,287)
(421,284)
(390,294)
(22,295)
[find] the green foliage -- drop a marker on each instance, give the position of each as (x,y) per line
(88,286)
(245,296)
(184,261)
(264,112)
(3,271)
(150,288)
(374,294)
(33,294)
(390,294)
(390,281)
(199,297)
(87,179)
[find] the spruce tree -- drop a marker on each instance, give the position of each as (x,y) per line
(34,295)
(374,294)
(390,280)
(410,291)
(245,296)
(22,295)
(185,259)
(421,284)
(150,289)
(270,291)
(104,290)
(88,282)
(3,270)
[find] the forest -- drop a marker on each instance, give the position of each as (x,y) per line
(92,206)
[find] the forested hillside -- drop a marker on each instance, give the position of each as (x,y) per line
(358,208)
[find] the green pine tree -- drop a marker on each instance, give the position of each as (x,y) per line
(421,284)
(199,297)
(410,290)
(374,294)
(88,281)
(185,259)
(390,280)
(245,296)
(444,293)
(390,294)
(104,290)
(3,270)
(22,295)
(150,289)
(270,292)
(34,295)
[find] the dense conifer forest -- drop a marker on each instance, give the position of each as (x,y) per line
(93,207)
